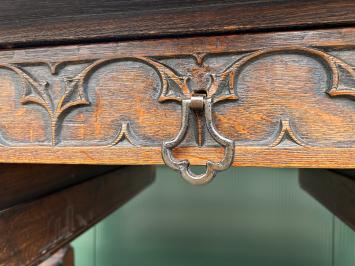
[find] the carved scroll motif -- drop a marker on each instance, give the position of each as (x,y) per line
(174,86)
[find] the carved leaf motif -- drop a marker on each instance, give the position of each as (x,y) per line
(73,96)
(225,88)
(174,86)
(350,70)
(35,92)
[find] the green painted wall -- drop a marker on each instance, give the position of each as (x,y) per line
(246,217)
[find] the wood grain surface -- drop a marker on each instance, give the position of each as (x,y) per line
(24,23)
(286,99)
(32,231)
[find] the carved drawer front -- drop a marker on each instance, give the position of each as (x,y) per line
(285,99)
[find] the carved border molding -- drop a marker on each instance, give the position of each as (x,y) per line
(174,86)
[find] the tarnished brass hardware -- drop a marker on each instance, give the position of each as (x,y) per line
(197,102)
(204,104)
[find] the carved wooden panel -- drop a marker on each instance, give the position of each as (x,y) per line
(286,99)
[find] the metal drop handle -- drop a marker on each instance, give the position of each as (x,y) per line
(205,105)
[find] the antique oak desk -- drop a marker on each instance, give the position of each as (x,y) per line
(87,87)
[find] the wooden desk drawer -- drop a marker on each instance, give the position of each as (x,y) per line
(289,100)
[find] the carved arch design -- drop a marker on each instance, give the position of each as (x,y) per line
(329,61)
(174,86)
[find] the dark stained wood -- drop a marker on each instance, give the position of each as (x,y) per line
(291,100)
(346,172)
(335,191)
(63,257)
(286,99)
(36,22)
(32,231)
(24,182)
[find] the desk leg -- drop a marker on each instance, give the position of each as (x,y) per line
(33,230)
(335,189)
